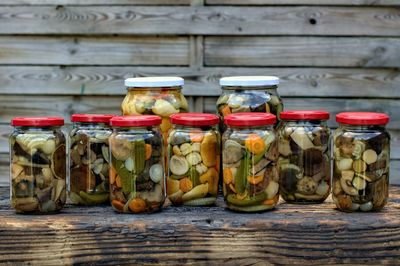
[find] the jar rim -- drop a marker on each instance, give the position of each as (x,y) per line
(249,81)
(135,121)
(194,119)
(92,118)
(143,82)
(362,118)
(250,119)
(37,121)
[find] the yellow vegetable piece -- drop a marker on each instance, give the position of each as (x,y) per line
(137,205)
(254,180)
(228,177)
(210,177)
(199,191)
(185,184)
(255,144)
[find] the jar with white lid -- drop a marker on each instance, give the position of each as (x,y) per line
(38,165)
(249,94)
(361,157)
(160,96)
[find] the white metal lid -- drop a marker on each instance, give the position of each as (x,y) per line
(154,82)
(249,81)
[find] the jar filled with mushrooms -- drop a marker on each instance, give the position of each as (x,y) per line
(249,94)
(38,165)
(89,159)
(137,179)
(361,161)
(304,156)
(250,162)
(193,159)
(160,96)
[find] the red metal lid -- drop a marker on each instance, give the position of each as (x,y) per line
(250,119)
(37,121)
(304,115)
(362,118)
(194,119)
(135,121)
(92,118)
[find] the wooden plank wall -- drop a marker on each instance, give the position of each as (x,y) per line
(66,56)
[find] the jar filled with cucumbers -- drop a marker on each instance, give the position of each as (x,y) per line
(193,159)
(160,96)
(38,165)
(361,161)
(249,94)
(89,159)
(250,162)
(304,156)
(137,179)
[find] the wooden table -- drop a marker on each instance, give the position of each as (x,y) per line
(306,234)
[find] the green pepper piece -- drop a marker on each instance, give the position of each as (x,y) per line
(255,159)
(241,175)
(194,176)
(128,179)
(247,202)
(139,156)
(94,198)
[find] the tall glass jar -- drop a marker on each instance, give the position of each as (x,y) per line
(89,159)
(250,162)
(304,156)
(249,94)
(193,159)
(137,179)
(361,159)
(160,96)
(38,165)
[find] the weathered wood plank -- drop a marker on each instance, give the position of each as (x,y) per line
(207,20)
(302,51)
(94,2)
(306,2)
(94,50)
(301,82)
(292,234)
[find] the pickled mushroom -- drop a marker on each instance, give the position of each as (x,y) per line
(164,108)
(58,163)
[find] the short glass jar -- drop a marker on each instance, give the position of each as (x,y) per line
(304,156)
(249,94)
(38,165)
(250,162)
(89,159)
(193,159)
(137,179)
(160,96)
(361,157)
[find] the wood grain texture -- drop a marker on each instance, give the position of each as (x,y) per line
(43,50)
(206,20)
(300,82)
(302,51)
(291,234)
(306,2)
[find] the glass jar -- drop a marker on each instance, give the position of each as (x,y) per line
(249,94)
(193,159)
(89,159)
(304,156)
(137,179)
(37,164)
(250,157)
(361,161)
(160,96)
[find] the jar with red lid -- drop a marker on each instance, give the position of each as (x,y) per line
(160,96)
(89,159)
(361,154)
(304,156)
(137,179)
(38,165)
(250,162)
(193,159)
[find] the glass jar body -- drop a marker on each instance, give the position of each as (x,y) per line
(38,169)
(304,161)
(137,179)
(249,99)
(361,157)
(161,101)
(193,165)
(89,163)
(250,169)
